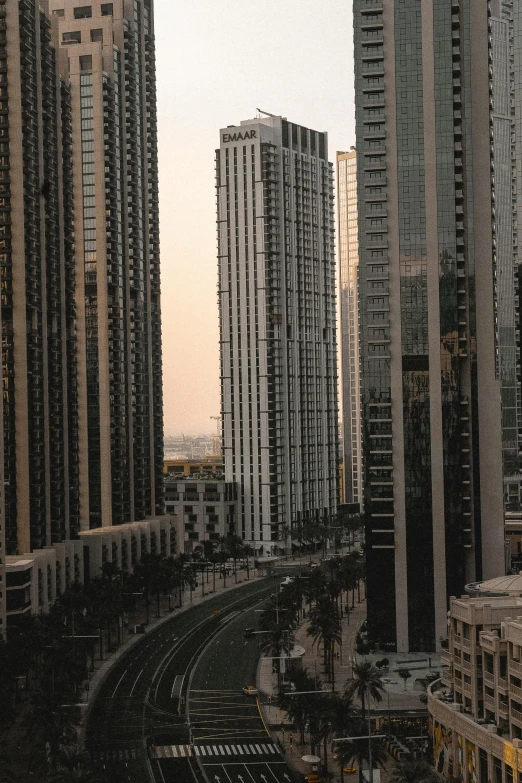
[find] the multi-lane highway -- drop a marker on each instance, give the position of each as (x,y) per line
(229,734)
(146,725)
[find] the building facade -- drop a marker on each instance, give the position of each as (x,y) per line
(107,58)
(80,318)
(505,38)
(348,253)
(431,388)
(203,506)
(277,328)
(476,709)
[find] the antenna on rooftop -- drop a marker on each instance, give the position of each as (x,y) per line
(268,114)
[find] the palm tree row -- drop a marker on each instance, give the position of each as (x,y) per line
(46,658)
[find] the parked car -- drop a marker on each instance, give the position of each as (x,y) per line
(250,690)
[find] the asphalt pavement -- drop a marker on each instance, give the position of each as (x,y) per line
(229,735)
(141,704)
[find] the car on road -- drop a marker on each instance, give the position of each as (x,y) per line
(314,778)
(288,580)
(350,770)
(248,632)
(250,690)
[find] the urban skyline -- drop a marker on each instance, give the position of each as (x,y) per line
(321,97)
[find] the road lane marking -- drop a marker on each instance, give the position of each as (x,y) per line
(177,686)
(136,681)
(247,770)
(118,685)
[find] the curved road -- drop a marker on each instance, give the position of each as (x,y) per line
(142,702)
(230,738)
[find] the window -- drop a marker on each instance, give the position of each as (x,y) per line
(106,9)
(83,12)
(97,35)
(86,62)
(58,12)
(74,37)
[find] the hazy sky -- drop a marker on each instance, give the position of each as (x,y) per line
(217,60)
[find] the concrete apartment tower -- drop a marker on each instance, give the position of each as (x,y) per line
(39,488)
(277,328)
(348,254)
(106,56)
(80,319)
(428,250)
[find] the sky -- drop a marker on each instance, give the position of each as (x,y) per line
(217,61)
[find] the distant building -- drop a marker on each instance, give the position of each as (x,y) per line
(194,467)
(204,508)
(277,328)
(348,251)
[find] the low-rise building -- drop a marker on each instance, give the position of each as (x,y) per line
(476,708)
(36,579)
(204,507)
(180,466)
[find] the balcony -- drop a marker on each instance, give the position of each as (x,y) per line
(489,701)
(515,666)
(516,691)
(489,678)
(516,716)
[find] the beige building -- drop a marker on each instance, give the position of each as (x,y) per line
(349,318)
(79,263)
(204,508)
(36,579)
(106,56)
(476,709)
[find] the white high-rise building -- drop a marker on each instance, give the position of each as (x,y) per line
(349,325)
(277,327)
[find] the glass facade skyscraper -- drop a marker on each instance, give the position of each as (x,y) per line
(431,381)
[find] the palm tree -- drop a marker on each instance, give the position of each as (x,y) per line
(366,684)
(337,716)
(247,553)
(325,626)
(298,708)
(414,771)
(360,750)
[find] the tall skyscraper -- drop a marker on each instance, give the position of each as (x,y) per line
(80,318)
(431,385)
(37,269)
(506,43)
(277,327)
(107,59)
(348,252)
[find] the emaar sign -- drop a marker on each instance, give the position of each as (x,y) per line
(239,136)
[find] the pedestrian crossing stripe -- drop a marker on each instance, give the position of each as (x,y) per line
(118,755)
(183,751)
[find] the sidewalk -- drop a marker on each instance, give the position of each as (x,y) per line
(275,718)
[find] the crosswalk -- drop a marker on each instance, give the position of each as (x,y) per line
(206,751)
(129,754)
